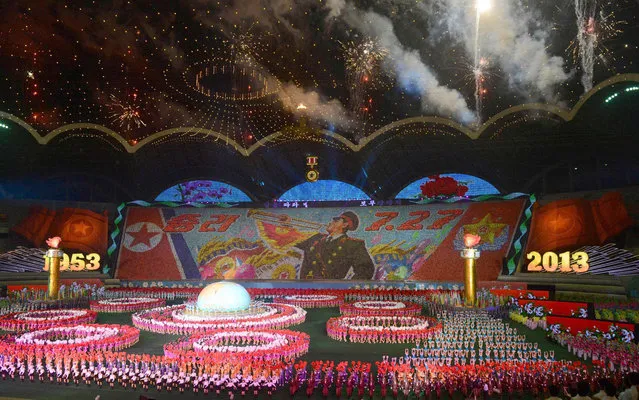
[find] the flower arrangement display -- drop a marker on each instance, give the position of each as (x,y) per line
(530,310)
(580,313)
(241,344)
(312,300)
(603,299)
(536,313)
(526,312)
(126,304)
(381,307)
(178,321)
(87,337)
(34,320)
(381,329)
(531,322)
(614,333)
(521,293)
(618,312)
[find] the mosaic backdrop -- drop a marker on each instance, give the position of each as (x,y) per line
(420,242)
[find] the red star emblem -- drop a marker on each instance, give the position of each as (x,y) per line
(81,228)
(561,223)
(142,236)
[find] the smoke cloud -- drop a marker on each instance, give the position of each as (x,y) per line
(335,8)
(170,49)
(271,14)
(412,74)
(511,35)
(317,108)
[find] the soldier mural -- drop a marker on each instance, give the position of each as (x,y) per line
(335,255)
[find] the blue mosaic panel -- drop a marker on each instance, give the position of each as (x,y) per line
(203,192)
(324,190)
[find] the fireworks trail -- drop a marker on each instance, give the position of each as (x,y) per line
(479,62)
(593,31)
(362,61)
(585,13)
(125,114)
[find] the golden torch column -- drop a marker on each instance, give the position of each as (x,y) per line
(470,282)
(470,254)
(52,263)
(53,257)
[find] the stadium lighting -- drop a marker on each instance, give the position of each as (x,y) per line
(484,5)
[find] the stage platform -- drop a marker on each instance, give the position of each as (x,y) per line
(599,285)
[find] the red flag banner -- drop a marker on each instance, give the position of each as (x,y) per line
(36,225)
(610,216)
(231,265)
(281,236)
(81,230)
(146,251)
(560,225)
(568,224)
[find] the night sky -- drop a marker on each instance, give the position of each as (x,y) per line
(243,68)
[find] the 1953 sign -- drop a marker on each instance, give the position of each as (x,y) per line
(77,262)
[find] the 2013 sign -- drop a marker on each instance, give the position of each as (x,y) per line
(553,262)
(77,262)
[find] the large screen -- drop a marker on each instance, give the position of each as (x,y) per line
(415,242)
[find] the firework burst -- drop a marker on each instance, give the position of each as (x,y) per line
(244,46)
(594,30)
(602,30)
(241,47)
(124,113)
(362,62)
(467,74)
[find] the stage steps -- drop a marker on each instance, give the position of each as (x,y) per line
(111,283)
(597,285)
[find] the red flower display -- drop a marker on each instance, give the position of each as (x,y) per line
(444,186)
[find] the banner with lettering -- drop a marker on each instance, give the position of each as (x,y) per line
(417,242)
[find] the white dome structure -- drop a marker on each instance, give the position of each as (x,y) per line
(223,297)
